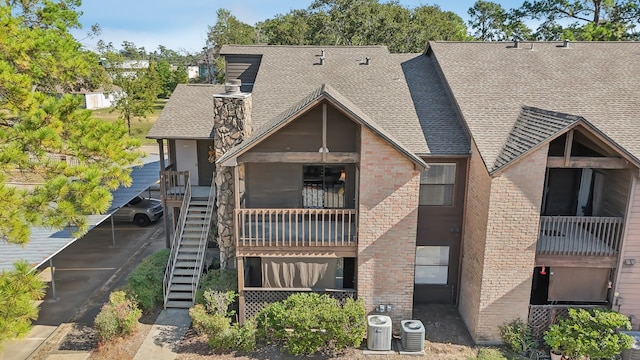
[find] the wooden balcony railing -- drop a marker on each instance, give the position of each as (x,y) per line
(296,227)
(579,235)
(173,184)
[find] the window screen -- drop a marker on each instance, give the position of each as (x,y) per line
(436,185)
(432,265)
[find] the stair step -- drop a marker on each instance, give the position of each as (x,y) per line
(190,241)
(185,256)
(180,295)
(179,304)
(180,287)
(192,221)
(183,272)
(185,264)
(182,279)
(198,202)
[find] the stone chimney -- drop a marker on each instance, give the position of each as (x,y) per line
(232,125)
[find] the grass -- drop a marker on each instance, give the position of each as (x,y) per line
(139,127)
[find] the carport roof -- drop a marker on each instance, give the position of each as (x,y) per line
(45,243)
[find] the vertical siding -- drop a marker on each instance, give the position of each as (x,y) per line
(628,285)
(475,231)
(616,191)
(388,215)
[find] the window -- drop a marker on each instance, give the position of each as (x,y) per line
(436,185)
(323,186)
(432,265)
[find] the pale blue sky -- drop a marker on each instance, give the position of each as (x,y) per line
(184,24)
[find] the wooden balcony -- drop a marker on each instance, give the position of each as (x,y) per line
(296,232)
(571,240)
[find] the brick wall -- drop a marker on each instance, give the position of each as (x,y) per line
(475,231)
(628,285)
(388,214)
(510,249)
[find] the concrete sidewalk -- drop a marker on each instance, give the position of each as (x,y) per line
(166,333)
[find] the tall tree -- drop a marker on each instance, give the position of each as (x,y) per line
(491,22)
(138,83)
(229,30)
(39,57)
(584,19)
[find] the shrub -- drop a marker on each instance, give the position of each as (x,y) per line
(145,281)
(308,322)
(213,319)
(590,333)
(516,335)
(222,280)
(119,317)
(19,289)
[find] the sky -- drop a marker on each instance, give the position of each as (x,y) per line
(182,25)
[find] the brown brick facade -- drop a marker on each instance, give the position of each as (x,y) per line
(498,266)
(388,213)
(475,232)
(628,286)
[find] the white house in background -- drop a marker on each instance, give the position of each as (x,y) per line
(193,72)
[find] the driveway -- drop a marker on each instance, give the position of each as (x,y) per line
(86,272)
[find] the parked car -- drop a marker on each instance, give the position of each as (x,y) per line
(140,211)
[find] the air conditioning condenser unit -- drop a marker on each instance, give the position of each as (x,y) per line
(412,335)
(379,332)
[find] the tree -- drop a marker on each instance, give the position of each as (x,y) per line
(229,30)
(491,22)
(363,22)
(139,86)
(587,19)
(20,288)
(40,130)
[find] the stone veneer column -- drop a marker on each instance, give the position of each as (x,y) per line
(232,125)
(387,227)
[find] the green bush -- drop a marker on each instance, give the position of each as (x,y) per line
(213,319)
(590,333)
(145,281)
(19,289)
(516,335)
(119,317)
(308,322)
(222,280)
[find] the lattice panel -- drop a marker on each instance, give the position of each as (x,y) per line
(543,316)
(254,300)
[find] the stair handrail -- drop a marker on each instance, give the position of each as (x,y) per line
(202,245)
(177,237)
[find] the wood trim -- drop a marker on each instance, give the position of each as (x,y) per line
(568,145)
(324,132)
(576,261)
(587,162)
(241,305)
(300,157)
(300,251)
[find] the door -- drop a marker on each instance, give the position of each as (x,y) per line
(187,159)
(439,232)
(207,168)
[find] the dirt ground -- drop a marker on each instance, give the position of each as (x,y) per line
(446,339)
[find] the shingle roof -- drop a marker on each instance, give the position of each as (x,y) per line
(532,128)
(337,99)
(188,114)
(289,73)
(492,81)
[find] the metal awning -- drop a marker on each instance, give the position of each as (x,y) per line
(45,243)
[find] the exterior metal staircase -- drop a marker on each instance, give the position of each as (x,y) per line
(188,249)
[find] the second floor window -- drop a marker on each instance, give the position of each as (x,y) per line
(436,185)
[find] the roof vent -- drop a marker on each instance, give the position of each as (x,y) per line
(531,47)
(232,86)
(365,60)
(565,44)
(321,58)
(516,44)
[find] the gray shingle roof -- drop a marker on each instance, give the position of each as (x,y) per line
(532,128)
(288,74)
(492,81)
(338,100)
(188,114)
